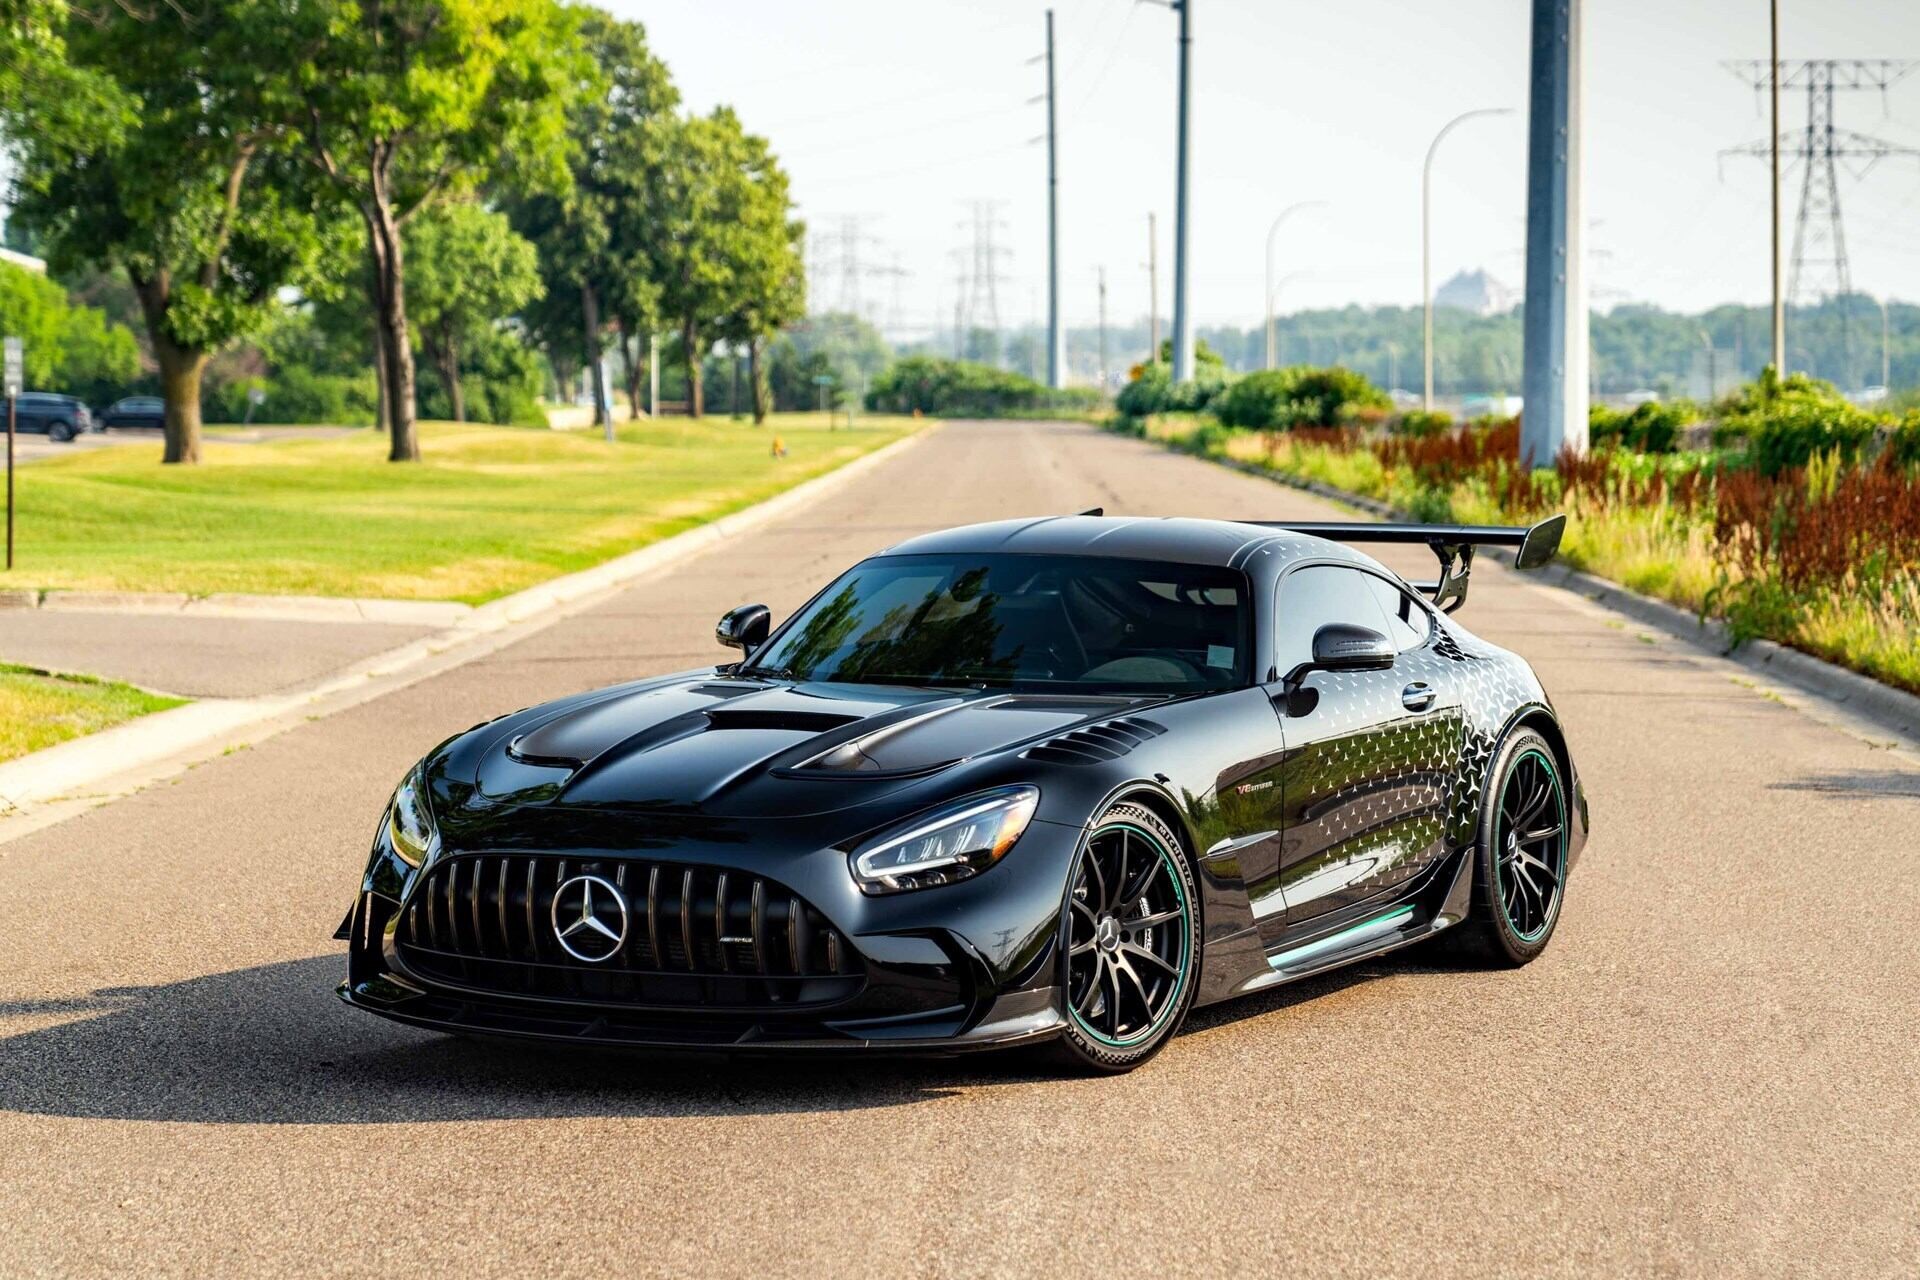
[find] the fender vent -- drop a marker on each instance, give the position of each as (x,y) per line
(1096,743)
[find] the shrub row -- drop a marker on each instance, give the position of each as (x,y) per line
(959,388)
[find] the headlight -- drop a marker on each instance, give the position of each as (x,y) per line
(410,828)
(949,844)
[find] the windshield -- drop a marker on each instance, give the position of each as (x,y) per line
(1022,622)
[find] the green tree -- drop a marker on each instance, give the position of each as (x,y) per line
(407,102)
(593,236)
(184,186)
(69,348)
(469,270)
(727,254)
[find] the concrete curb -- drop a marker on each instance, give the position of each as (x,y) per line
(153,747)
(1882,704)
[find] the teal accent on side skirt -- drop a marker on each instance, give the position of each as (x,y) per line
(1332,942)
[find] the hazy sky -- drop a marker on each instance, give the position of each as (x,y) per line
(905,114)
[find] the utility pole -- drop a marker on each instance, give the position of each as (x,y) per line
(653,375)
(1706,340)
(1182,210)
(1426,238)
(1153,290)
(1056,337)
(1554,373)
(1103,331)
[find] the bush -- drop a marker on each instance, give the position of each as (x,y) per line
(295,394)
(1785,422)
(958,388)
(1334,395)
(1903,442)
(1261,402)
(1605,427)
(1145,393)
(1421,424)
(1652,426)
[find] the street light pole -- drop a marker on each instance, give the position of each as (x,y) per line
(1706,340)
(1426,239)
(1289,211)
(1773,148)
(1153,288)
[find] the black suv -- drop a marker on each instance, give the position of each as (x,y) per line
(61,417)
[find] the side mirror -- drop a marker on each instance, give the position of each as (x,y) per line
(744,628)
(1343,647)
(1338,646)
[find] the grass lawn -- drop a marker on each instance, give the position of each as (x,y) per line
(38,710)
(490,511)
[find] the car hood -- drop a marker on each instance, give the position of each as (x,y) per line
(711,745)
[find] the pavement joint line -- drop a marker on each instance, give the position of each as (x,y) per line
(49,786)
(1856,704)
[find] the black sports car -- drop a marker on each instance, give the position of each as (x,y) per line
(1054,780)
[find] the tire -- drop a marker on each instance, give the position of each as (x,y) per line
(1129,950)
(1519,876)
(60,432)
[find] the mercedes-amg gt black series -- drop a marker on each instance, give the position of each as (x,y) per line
(1041,781)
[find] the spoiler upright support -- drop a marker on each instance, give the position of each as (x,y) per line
(1452,544)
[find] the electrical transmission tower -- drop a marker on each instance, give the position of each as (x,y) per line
(981,276)
(842,256)
(1819,241)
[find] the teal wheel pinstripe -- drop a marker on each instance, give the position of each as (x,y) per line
(1129,933)
(1530,845)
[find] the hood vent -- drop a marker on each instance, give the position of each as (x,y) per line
(774,718)
(1096,743)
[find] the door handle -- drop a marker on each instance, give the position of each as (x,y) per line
(1417,696)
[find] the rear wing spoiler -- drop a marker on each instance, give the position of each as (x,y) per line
(1453,544)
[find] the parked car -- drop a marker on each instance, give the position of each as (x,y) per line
(135,411)
(60,417)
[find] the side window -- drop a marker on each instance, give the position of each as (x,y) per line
(1408,625)
(1314,597)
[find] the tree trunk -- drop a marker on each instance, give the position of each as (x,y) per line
(390,297)
(444,352)
(689,346)
(631,366)
(590,321)
(180,370)
(758,373)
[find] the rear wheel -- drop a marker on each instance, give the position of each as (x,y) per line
(60,432)
(1520,861)
(1129,943)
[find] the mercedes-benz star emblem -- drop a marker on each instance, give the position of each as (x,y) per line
(589,918)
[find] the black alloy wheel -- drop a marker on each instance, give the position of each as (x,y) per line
(1130,942)
(1520,862)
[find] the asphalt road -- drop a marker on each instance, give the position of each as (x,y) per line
(1712,1070)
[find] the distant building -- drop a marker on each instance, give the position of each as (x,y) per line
(1478,292)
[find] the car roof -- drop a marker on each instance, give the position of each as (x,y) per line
(1170,539)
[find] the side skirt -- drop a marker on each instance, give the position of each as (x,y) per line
(1439,904)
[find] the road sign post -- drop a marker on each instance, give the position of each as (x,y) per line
(15,376)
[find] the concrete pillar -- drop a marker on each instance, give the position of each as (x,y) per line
(1555,379)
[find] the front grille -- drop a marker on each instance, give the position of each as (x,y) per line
(696,936)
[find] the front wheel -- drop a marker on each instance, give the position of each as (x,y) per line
(1129,943)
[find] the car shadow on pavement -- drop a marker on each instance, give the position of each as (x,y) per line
(272,1045)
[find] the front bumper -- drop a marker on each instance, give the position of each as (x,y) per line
(964,966)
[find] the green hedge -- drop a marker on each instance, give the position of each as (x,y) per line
(960,389)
